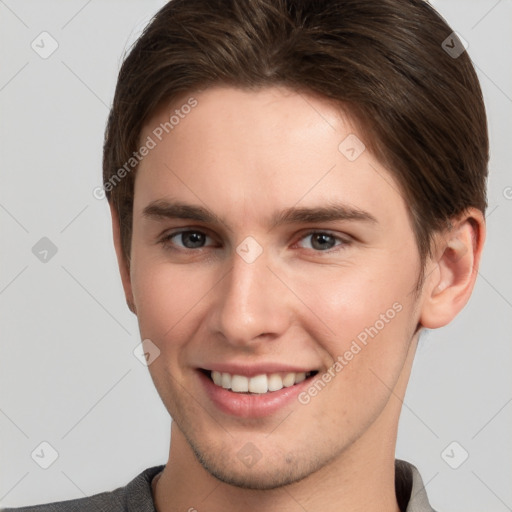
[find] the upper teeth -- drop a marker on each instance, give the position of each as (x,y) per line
(257,384)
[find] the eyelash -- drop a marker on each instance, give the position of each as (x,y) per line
(166,240)
(343,241)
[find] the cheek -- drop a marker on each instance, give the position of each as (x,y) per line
(349,300)
(371,321)
(166,297)
(364,319)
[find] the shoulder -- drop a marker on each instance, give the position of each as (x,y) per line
(135,496)
(105,501)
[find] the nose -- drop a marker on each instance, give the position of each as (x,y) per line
(251,303)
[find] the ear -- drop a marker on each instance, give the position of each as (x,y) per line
(124,266)
(453,271)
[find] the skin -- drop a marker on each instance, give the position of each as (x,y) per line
(245,155)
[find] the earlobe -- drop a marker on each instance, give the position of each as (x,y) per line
(451,279)
(124,268)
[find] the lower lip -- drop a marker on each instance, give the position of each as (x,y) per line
(251,405)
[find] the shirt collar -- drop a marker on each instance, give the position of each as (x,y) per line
(409,488)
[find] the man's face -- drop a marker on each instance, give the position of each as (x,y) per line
(292,253)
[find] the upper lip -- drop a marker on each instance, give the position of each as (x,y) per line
(256,369)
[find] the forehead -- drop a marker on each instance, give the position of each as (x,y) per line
(250,150)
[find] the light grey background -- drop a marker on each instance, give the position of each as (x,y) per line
(67,372)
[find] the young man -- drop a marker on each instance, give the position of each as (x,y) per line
(297,190)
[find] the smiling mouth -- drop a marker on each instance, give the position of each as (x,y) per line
(258,384)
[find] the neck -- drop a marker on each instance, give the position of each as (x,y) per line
(360,478)
(353,481)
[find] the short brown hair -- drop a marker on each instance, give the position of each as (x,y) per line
(385,62)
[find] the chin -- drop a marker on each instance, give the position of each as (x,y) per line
(250,478)
(266,474)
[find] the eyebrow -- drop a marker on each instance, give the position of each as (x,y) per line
(163,209)
(330,212)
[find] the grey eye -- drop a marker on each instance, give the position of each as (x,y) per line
(320,241)
(190,239)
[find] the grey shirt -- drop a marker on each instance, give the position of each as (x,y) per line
(136,496)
